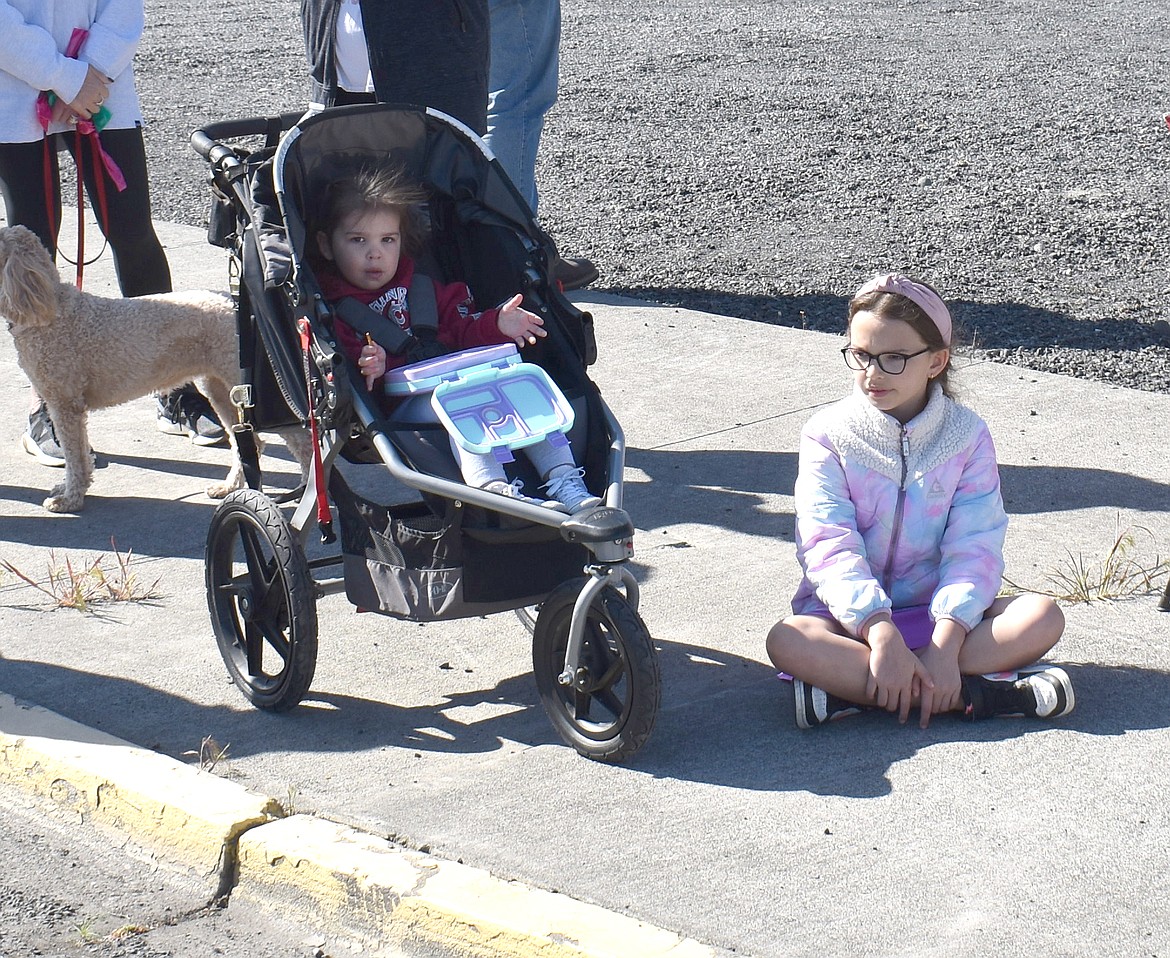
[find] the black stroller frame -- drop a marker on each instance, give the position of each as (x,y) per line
(460,551)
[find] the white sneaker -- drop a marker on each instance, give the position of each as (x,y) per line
(815,706)
(514,490)
(566,485)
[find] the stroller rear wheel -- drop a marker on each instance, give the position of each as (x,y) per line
(609,711)
(262,601)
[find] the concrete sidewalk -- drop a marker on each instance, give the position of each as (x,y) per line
(422,764)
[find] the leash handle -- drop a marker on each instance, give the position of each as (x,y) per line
(102,163)
(80,162)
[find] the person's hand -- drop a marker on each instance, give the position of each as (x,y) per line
(518,324)
(61,113)
(92,95)
(941,658)
(896,675)
(372,363)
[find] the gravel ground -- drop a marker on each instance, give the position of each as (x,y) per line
(761,159)
(70,890)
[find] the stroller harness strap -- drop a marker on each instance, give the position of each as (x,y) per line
(420,300)
(424,316)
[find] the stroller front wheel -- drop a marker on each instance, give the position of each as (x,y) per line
(609,711)
(527,615)
(262,601)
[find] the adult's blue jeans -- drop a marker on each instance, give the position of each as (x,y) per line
(522,84)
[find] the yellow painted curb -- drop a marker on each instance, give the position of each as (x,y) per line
(350,882)
(365,887)
(189,818)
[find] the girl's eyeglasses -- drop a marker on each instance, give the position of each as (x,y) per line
(891,363)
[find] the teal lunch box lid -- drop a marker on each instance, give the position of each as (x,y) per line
(511,406)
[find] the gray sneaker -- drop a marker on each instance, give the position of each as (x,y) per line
(40,439)
(567,490)
(515,490)
(185,412)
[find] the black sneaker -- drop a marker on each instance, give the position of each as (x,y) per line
(816,706)
(1039,691)
(186,412)
(40,439)
(573,273)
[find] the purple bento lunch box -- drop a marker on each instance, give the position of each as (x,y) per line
(488,399)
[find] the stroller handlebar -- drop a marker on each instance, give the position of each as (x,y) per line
(208,142)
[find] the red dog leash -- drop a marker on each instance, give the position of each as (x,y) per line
(85,131)
(324,515)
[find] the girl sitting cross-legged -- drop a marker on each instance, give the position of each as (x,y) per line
(899,532)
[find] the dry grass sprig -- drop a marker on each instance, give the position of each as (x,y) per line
(210,753)
(1121,574)
(83,586)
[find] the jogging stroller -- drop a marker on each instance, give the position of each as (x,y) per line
(453,551)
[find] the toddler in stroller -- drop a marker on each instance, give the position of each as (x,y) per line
(457,549)
(365,245)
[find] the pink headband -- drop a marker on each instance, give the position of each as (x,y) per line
(922,296)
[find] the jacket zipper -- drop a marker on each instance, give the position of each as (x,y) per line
(462,11)
(896,534)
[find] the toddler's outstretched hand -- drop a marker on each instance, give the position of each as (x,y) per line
(518,324)
(372,362)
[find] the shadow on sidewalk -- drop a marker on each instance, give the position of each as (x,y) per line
(325,722)
(148,527)
(732,724)
(991,326)
(174,528)
(728,488)
(1038,489)
(721,487)
(725,721)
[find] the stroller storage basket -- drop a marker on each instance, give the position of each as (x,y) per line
(410,563)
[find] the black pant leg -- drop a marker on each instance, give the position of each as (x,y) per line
(139,259)
(22,183)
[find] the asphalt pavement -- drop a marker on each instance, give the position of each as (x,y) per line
(433,805)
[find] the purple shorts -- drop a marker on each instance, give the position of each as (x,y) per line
(914,622)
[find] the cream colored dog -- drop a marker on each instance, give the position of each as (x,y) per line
(85,352)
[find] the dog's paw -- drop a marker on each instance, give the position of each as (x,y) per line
(57,503)
(220,490)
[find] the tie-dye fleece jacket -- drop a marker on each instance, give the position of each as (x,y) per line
(891,515)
